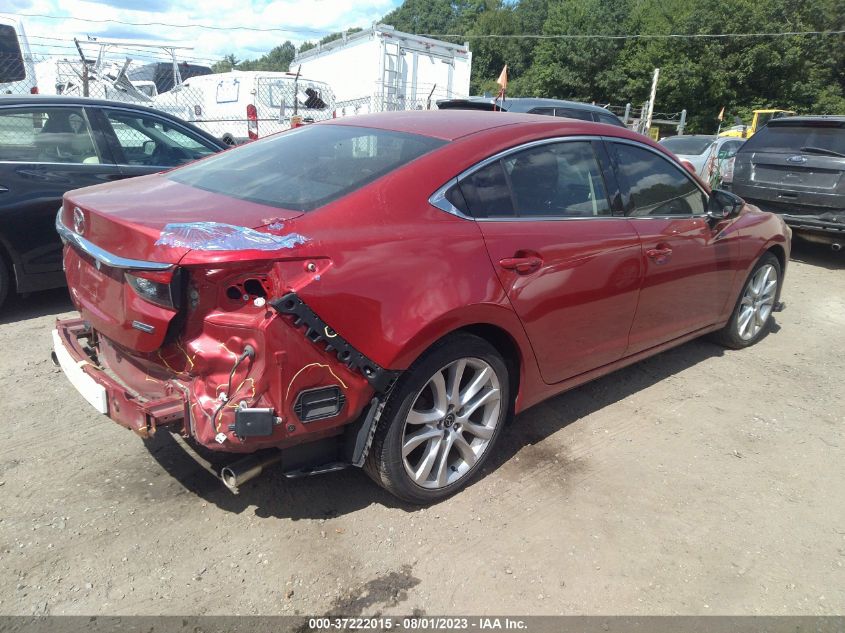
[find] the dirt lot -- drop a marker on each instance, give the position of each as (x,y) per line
(698,482)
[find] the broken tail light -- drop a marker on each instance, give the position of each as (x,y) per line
(252,122)
(158,287)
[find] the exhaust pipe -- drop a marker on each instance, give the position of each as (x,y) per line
(836,247)
(238,473)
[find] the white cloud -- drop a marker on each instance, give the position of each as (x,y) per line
(306,19)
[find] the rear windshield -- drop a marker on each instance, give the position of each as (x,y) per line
(792,138)
(307,167)
(689,145)
(11,61)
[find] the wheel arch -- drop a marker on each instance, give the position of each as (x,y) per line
(503,330)
(9,259)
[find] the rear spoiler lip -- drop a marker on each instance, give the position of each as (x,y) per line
(101,255)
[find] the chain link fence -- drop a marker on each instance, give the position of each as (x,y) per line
(234,107)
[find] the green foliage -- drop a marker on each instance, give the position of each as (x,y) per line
(701,75)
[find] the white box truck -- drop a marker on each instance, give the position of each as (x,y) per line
(380,69)
(239,106)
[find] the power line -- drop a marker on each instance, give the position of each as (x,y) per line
(178,26)
(537,36)
(581,36)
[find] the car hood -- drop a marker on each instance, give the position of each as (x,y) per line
(153,218)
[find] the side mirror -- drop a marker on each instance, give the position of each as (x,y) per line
(149,148)
(723,205)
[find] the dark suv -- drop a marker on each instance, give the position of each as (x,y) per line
(795,166)
(531,105)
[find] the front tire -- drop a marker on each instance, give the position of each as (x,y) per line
(751,319)
(5,281)
(441,420)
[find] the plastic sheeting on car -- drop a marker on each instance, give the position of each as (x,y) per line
(217,236)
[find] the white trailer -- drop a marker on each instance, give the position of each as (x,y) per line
(380,69)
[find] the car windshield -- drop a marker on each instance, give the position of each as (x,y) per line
(688,145)
(828,136)
(307,167)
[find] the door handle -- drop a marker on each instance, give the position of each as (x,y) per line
(521,265)
(3,189)
(659,254)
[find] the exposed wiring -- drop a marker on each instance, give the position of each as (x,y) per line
(249,352)
(296,375)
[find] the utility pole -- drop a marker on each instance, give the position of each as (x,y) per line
(651,100)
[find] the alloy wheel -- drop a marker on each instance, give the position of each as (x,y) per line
(451,423)
(757,302)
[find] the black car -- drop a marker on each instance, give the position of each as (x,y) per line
(795,166)
(50,145)
(531,105)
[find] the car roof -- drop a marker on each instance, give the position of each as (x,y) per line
(666,138)
(449,125)
(523,104)
(7,100)
(808,118)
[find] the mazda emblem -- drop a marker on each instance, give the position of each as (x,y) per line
(78,220)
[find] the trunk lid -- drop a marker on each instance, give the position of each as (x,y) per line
(127,218)
(128,228)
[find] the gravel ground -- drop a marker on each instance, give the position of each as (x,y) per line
(701,481)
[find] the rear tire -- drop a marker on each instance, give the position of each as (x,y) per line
(441,420)
(751,319)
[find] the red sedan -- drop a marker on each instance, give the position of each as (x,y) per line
(388,290)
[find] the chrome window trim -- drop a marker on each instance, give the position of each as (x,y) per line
(102,255)
(675,164)
(438,198)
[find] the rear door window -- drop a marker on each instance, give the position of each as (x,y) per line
(307,167)
(487,193)
(657,187)
(574,113)
(555,180)
(46,135)
(11,60)
(148,140)
(609,118)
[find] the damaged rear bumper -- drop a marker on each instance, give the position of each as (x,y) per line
(106,394)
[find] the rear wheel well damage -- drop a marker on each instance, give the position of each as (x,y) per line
(496,336)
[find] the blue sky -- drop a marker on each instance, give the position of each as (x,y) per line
(303,19)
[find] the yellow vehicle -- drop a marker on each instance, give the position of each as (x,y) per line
(761,117)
